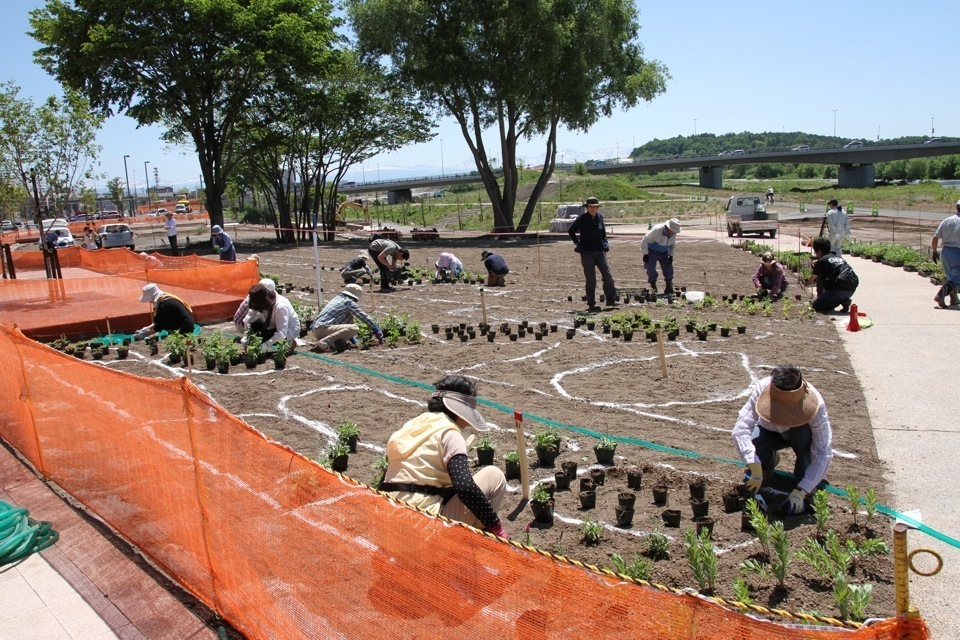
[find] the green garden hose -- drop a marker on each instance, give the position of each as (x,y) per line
(21,535)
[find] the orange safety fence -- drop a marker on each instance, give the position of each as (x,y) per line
(283,548)
(105,287)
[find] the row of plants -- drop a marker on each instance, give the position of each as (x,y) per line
(896,255)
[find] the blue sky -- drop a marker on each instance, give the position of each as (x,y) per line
(737,66)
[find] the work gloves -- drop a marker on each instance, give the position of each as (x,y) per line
(606,246)
(646,258)
(499,531)
(378,335)
(936,257)
(577,248)
(754,477)
(794,504)
(670,259)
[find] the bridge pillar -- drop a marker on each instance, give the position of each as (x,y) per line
(855,176)
(711,177)
(399,196)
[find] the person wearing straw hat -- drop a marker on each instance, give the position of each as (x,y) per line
(592,245)
(271,316)
(354,271)
(496,267)
(785,411)
(335,326)
(657,247)
(223,245)
(170,225)
(428,465)
(948,233)
(770,278)
(838,226)
(167,312)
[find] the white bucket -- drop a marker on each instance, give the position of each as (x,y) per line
(694,296)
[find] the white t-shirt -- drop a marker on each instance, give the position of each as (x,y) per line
(171,226)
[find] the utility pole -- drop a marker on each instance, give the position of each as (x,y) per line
(127,174)
(146,177)
(835,122)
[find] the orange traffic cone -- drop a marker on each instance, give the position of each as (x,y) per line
(854,324)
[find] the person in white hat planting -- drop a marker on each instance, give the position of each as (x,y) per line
(428,465)
(240,316)
(223,245)
(658,247)
(167,313)
(948,233)
(785,411)
(271,316)
(335,326)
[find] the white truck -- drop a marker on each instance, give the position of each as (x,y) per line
(565,217)
(748,214)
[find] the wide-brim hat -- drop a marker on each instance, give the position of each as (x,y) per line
(354,291)
(674,225)
(767,258)
(787,408)
(150,293)
(216,230)
(590,201)
(484,253)
(464,406)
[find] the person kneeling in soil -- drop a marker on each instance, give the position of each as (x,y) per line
(169,313)
(354,271)
(770,278)
(448,265)
(496,267)
(240,317)
(785,411)
(334,327)
(836,282)
(428,465)
(271,317)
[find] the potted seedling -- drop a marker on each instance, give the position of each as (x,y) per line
(626,499)
(124,350)
(176,345)
(209,347)
(223,355)
(624,517)
(741,327)
(348,433)
(486,448)
(547,446)
(338,457)
(586,484)
(512,465)
(254,349)
(604,450)
(281,350)
(698,488)
(541,504)
(97,354)
(731,501)
(233,353)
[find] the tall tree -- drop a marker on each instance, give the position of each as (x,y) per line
(513,70)
(190,65)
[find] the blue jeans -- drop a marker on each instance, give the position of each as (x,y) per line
(950,258)
(800,439)
(651,266)
(591,261)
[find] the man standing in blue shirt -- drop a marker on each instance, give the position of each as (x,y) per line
(657,247)
(592,246)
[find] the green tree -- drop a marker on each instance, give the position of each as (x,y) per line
(190,65)
(514,70)
(115,187)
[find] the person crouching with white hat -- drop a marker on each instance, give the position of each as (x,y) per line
(428,465)
(335,327)
(167,312)
(658,246)
(271,317)
(786,411)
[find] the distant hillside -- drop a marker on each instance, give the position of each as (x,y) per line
(708,143)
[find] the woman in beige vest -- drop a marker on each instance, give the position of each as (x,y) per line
(428,466)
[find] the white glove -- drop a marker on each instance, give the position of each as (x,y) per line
(794,504)
(243,340)
(754,477)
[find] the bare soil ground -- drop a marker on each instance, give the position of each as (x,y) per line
(591,383)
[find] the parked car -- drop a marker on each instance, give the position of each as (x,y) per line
(180,208)
(736,152)
(6,225)
(64,237)
(115,235)
(853,144)
(111,215)
(802,147)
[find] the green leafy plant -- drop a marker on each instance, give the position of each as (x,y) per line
(254,345)
(870,502)
(212,345)
(281,349)
(335,450)
(658,546)
(176,344)
(702,558)
(380,468)
(605,443)
(549,437)
(591,532)
(638,568)
(486,441)
(347,430)
(414,332)
(364,336)
(741,591)
(782,556)
(853,497)
(752,565)
(540,495)
(760,524)
(512,457)
(821,510)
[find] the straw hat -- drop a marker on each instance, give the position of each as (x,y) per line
(767,257)
(464,406)
(673,224)
(591,201)
(150,293)
(354,291)
(787,408)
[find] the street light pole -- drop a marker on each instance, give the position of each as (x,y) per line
(835,123)
(443,172)
(694,127)
(931,126)
(146,175)
(127,174)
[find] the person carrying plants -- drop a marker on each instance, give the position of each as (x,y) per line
(770,278)
(592,246)
(948,233)
(835,279)
(271,316)
(838,226)
(658,247)
(223,245)
(167,313)
(385,254)
(428,466)
(785,411)
(355,269)
(496,267)
(448,264)
(334,327)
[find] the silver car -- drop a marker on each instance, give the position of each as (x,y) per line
(115,235)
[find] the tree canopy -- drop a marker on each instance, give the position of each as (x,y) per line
(511,71)
(189,65)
